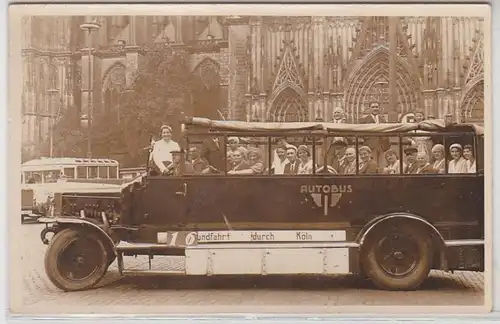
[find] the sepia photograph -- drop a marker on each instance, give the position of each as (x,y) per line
(212,159)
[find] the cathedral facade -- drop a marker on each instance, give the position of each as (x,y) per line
(260,68)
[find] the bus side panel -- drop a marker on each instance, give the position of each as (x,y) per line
(453,204)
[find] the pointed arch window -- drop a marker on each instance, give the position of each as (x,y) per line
(289,107)
(114,84)
(112,102)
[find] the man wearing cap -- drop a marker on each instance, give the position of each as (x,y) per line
(213,152)
(411,159)
(162,150)
(336,155)
(198,163)
(292,167)
(174,168)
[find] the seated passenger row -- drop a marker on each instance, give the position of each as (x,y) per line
(288,159)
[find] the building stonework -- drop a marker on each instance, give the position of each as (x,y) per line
(261,68)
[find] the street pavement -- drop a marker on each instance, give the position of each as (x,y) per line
(128,294)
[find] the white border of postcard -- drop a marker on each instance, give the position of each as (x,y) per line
(14,113)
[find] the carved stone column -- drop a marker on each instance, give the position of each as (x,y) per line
(237,89)
(132,64)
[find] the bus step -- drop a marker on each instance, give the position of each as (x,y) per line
(147,264)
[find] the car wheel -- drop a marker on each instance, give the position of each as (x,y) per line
(75,260)
(397,257)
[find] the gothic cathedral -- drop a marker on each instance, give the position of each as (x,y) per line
(260,68)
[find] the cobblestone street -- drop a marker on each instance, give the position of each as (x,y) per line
(40,296)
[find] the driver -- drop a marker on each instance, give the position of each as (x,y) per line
(174,168)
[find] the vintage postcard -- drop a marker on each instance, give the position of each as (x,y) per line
(196,159)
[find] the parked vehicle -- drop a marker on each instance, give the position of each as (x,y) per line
(393,227)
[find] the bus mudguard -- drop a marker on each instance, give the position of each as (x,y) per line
(74,222)
(394,216)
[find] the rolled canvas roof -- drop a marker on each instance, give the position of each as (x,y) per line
(436,125)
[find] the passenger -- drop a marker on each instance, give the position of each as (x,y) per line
(438,155)
(448,119)
(255,164)
(350,156)
(423,143)
(229,160)
(162,151)
(423,165)
(278,166)
(419,116)
(458,164)
(338,116)
(239,164)
(366,163)
(393,163)
(213,152)
(411,160)
(174,168)
(234,145)
(305,160)
(280,143)
(471,160)
(336,154)
(199,164)
(378,144)
(292,167)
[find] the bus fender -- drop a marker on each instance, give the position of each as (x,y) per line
(60,223)
(380,220)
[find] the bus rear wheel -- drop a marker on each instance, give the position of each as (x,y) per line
(75,260)
(398,257)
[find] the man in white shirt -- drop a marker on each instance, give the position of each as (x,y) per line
(279,163)
(292,167)
(381,144)
(162,151)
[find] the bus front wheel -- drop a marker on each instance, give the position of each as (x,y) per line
(398,256)
(75,260)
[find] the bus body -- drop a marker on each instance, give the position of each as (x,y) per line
(392,228)
(42,178)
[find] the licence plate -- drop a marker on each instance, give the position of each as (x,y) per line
(177,239)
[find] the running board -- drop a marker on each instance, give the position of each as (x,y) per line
(126,246)
(463,242)
(131,272)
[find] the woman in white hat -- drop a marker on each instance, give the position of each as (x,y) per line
(305,164)
(458,164)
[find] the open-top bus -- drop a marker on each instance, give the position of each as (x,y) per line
(390,224)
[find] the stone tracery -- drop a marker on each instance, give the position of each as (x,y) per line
(289,106)
(369,82)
